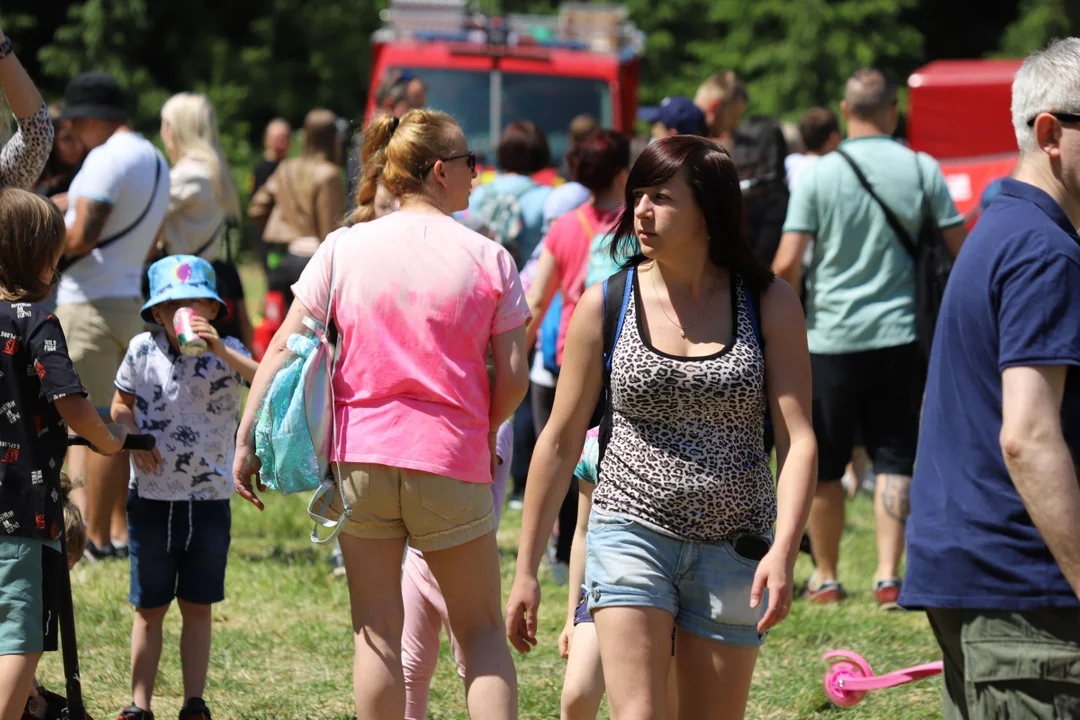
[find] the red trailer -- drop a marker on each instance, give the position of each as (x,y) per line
(959,111)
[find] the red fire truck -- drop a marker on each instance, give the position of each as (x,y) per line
(960,112)
(490,71)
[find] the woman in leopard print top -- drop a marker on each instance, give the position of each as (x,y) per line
(25,154)
(687,531)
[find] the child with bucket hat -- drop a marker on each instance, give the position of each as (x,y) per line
(178,497)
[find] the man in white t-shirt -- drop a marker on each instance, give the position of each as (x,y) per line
(117,203)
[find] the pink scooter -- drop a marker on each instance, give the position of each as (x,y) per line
(848,680)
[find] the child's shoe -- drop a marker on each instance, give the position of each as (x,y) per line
(93,553)
(134,712)
(195,709)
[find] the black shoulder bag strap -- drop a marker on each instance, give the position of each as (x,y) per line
(105,242)
(217,232)
(894,222)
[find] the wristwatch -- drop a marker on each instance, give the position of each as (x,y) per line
(5,48)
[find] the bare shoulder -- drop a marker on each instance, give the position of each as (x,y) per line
(781,308)
(588,320)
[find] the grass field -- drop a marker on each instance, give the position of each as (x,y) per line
(283,648)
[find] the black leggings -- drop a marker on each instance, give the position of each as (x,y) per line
(543,399)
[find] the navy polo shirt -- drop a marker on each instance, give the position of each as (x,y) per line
(1013,299)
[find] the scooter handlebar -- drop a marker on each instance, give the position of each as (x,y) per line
(131,442)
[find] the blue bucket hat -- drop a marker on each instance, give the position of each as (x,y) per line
(678,113)
(180,277)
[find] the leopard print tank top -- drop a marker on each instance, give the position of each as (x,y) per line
(687,454)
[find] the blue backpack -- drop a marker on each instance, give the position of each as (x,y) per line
(616,298)
(296,425)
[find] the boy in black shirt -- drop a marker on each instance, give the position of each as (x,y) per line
(40,393)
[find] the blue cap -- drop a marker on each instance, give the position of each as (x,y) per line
(678,113)
(180,277)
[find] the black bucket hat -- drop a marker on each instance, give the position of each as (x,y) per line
(94,95)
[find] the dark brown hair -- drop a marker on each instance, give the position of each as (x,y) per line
(709,171)
(32,233)
(817,126)
(523,148)
(598,159)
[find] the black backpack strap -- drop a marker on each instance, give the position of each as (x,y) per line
(894,222)
(616,299)
(753,304)
(105,242)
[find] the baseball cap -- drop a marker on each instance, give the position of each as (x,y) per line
(678,113)
(94,95)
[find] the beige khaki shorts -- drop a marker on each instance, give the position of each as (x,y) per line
(433,511)
(98,333)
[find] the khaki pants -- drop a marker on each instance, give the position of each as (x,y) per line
(433,511)
(98,333)
(1009,664)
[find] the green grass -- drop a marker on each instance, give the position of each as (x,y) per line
(283,647)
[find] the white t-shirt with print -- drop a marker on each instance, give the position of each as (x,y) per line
(191,404)
(121,173)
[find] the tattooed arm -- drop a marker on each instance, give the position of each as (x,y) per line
(90,219)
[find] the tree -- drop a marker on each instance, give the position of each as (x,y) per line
(1039,22)
(791,55)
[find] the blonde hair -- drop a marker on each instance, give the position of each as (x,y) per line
(195,130)
(398,153)
(724,86)
(74,529)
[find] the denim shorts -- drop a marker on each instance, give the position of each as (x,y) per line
(705,586)
(178,550)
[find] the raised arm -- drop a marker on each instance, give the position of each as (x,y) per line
(25,154)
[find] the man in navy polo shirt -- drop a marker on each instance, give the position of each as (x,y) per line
(994,531)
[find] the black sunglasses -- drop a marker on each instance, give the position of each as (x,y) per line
(1063,117)
(470,160)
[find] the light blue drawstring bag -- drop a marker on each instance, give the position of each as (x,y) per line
(295,430)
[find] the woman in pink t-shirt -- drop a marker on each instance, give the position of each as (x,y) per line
(600,162)
(418,300)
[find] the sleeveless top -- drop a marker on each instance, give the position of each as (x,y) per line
(687,454)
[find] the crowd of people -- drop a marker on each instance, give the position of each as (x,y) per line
(673,363)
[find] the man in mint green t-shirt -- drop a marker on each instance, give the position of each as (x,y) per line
(860,318)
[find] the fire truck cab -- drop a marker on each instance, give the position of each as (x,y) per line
(488,71)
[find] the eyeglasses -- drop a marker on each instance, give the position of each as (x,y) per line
(1062,116)
(470,159)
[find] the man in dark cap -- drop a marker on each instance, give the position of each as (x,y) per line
(116,205)
(676,115)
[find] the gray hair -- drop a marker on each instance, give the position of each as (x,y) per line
(869,92)
(1048,81)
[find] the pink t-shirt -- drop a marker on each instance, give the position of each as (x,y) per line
(418,297)
(568,240)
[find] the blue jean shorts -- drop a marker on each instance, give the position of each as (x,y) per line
(705,586)
(178,549)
